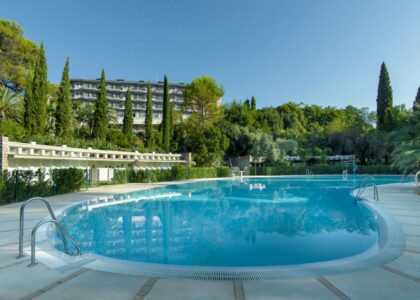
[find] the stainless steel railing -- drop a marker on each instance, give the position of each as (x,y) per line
(364,185)
(64,233)
(22,220)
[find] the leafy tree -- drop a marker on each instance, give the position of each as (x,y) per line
(83,119)
(293,116)
(286,147)
(240,138)
(64,111)
(166,118)
(128,118)
(39,93)
(265,147)
(416,104)
(11,129)
(253,104)
(238,113)
(29,117)
(101,113)
(10,104)
(269,121)
(17,54)
(202,97)
(208,146)
(384,101)
(148,126)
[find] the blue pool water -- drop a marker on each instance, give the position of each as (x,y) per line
(254,222)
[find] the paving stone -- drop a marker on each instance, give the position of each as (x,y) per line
(20,280)
(287,289)
(96,285)
(376,284)
(191,290)
(408,263)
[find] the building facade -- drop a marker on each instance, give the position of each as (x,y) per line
(85,90)
(100,163)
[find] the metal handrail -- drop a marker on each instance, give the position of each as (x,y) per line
(345,174)
(63,232)
(309,174)
(363,188)
(416,178)
(22,220)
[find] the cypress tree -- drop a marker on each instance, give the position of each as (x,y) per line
(166,120)
(148,122)
(416,104)
(384,100)
(29,119)
(253,103)
(100,115)
(39,93)
(128,117)
(64,112)
(247,103)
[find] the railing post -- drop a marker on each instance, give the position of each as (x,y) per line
(22,221)
(63,233)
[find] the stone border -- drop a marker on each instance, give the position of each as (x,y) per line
(391,243)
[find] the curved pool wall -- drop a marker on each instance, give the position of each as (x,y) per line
(389,245)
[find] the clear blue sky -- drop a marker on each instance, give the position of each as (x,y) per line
(326,52)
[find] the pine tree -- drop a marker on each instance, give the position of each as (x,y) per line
(39,93)
(148,125)
(253,103)
(64,112)
(416,104)
(29,119)
(247,103)
(128,117)
(166,120)
(384,100)
(100,115)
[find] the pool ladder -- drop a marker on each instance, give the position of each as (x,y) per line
(309,174)
(364,186)
(416,178)
(63,232)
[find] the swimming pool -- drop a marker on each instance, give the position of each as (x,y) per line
(232,225)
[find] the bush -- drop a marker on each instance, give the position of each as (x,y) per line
(120,176)
(67,180)
(23,184)
(175,173)
(323,170)
(224,172)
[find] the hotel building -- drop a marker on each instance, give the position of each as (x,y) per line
(85,90)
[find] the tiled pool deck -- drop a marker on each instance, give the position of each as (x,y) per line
(398,280)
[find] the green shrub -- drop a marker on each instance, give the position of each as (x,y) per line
(224,172)
(67,180)
(322,169)
(120,176)
(175,173)
(23,184)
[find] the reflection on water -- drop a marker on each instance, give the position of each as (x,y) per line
(224,223)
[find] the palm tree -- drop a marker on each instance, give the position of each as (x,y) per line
(11,104)
(406,155)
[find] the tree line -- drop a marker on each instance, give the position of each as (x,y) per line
(214,133)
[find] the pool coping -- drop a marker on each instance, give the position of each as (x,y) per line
(391,242)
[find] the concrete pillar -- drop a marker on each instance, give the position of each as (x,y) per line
(4,153)
(188,158)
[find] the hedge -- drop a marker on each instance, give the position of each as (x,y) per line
(322,170)
(175,173)
(67,180)
(20,185)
